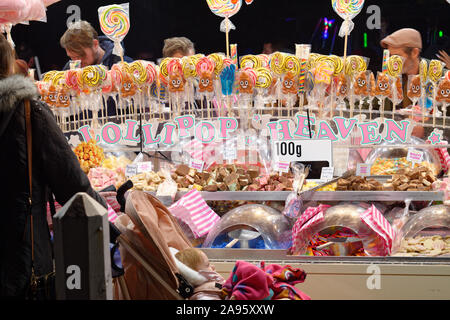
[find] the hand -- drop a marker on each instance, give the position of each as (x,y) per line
(444,57)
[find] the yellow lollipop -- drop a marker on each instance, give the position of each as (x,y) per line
(188,66)
(292,64)
(277,63)
(218,60)
(163,67)
(423,71)
(395,66)
(354,65)
(91,76)
(312,60)
(263,78)
(250,61)
(137,69)
(435,70)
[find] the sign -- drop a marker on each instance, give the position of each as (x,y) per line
(144,167)
(363,169)
(131,170)
(303,151)
(415,156)
(196,164)
(283,167)
(327,174)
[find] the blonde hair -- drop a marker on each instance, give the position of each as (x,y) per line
(7,58)
(192,257)
(79,35)
(177,44)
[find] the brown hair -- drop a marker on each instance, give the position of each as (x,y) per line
(7,58)
(79,36)
(177,44)
(192,257)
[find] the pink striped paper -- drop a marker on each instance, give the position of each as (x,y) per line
(193,211)
(374,219)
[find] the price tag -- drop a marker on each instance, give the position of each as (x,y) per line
(144,167)
(283,167)
(229,152)
(327,174)
(131,170)
(196,164)
(415,156)
(363,169)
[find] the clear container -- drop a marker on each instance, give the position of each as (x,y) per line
(386,161)
(274,228)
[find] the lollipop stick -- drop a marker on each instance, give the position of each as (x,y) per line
(227,37)
(444,111)
(434,105)
(382,110)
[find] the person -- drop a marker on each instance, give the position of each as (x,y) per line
(178,47)
(54,166)
(199,272)
(406,43)
(83,43)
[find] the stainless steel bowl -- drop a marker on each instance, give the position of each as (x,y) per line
(431,217)
(273,227)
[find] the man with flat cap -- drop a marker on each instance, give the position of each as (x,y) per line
(406,43)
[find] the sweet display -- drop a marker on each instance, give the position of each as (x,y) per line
(424,246)
(407,179)
(356,183)
(390,166)
(89,154)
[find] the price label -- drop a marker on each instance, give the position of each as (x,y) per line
(415,156)
(131,170)
(327,174)
(283,167)
(363,169)
(196,164)
(144,167)
(229,152)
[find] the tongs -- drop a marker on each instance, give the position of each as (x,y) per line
(346,175)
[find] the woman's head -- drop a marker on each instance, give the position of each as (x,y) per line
(6,58)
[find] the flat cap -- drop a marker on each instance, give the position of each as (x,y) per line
(403,38)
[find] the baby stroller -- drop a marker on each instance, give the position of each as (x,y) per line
(149,269)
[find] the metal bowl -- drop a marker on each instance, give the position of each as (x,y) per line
(273,227)
(347,216)
(429,154)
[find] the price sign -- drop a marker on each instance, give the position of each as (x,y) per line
(283,167)
(415,156)
(327,174)
(363,169)
(144,167)
(196,164)
(131,170)
(229,151)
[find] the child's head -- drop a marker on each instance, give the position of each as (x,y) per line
(195,259)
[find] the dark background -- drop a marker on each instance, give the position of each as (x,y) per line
(282,22)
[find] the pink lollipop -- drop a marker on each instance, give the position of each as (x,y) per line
(71,79)
(205,65)
(224,8)
(151,73)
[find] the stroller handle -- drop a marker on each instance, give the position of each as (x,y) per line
(121,194)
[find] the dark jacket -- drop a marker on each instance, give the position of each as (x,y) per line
(55,166)
(109,59)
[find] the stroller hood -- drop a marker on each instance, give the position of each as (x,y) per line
(148,229)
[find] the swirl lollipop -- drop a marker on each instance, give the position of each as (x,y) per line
(347,10)
(115,24)
(226,9)
(435,72)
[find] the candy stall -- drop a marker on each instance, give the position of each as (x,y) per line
(285,158)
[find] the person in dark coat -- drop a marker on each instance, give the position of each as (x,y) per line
(55,166)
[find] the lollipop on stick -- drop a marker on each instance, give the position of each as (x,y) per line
(394,70)
(383,90)
(361,88)
(435,72)
(115,24)
(302,51)
(443,96)
(423,72)
(226,9)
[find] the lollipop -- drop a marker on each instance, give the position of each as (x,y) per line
(354,65)
(289,84)
(277,63)
(218,62)
(347,10)
(247,79)
(292,65)
(115,24)
(443,96)
(361,85)
(251,61)
(234,54)
(435,71)
(264,78)
(395,66)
